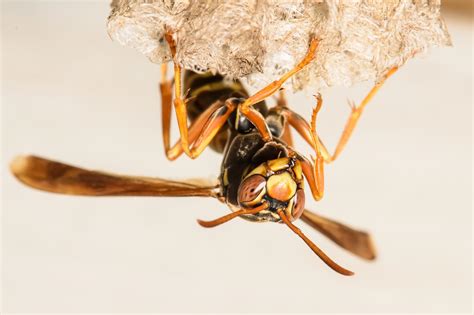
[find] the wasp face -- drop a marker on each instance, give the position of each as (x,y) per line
(278,182)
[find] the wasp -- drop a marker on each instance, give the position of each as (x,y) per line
(261,177)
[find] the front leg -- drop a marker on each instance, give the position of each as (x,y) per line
(257,120)
(312,170)
(314,173)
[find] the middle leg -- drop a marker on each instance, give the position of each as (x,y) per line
(312,170)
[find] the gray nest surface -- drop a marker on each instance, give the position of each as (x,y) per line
(259,40)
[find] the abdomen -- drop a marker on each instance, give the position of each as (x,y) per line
(204,90)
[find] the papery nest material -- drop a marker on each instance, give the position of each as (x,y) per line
(260,40)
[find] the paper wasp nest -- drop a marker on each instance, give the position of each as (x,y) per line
(262,39)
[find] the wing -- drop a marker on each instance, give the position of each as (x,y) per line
(357,242)
(61,178)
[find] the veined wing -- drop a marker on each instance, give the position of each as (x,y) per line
(47,175)
(357,242)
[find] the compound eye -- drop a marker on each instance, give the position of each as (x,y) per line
(252,190)
(298,204)
(243,124)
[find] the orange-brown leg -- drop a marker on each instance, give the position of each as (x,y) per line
(257,120)
(204,129)
(166,100)
(211,128)
(314,173)
(273,87)
(194,131)
(179,102)
(205,124)
(352,121)
(300,124)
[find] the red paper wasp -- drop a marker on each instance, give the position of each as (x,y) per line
(261,177)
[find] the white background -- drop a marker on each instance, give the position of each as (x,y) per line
(71,94)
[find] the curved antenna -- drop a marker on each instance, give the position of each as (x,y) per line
(328,261)
(230,216)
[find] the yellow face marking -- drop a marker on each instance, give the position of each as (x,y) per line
(298,170)
(281,186)
(279,164)
(226,178)
(260,170)
(289,209)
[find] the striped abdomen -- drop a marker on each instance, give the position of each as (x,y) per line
(205,89)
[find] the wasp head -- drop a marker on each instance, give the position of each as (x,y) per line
(277,182)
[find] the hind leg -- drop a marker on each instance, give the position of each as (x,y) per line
(352,121)
(179,101)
